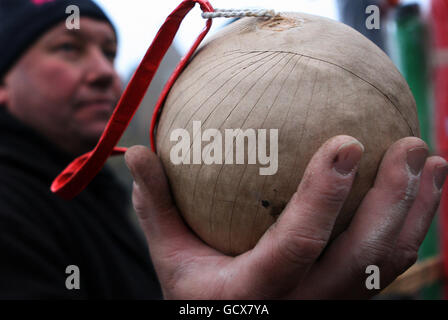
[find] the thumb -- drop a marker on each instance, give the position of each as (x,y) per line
(151,190)
(165,231)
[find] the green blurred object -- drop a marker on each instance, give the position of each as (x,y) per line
(413,62)
(411,36)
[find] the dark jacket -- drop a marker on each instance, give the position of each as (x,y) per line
(42,234)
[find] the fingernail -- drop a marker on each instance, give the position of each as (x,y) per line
(440,173)
(348,157)
(416,159)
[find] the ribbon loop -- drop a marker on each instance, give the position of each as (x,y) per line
(82,170)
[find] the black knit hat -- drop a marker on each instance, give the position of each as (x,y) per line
(22,22)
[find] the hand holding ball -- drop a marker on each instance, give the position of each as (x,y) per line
(282,87)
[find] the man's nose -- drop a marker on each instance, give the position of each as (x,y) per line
(100,70)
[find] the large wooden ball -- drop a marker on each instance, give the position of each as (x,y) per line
(309,77)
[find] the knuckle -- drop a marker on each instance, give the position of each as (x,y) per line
(333,195)
(300,247)
(404,204)
(408,193)
(403,187)
(325,187)
(372,253)
(405,256)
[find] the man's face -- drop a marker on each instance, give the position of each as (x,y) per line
(65,85)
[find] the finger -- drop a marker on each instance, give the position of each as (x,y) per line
(293,243)
(420,216)
(372,235)
(166,233)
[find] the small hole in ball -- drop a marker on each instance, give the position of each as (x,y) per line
(265,203)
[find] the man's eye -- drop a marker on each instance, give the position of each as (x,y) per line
(68,47)
(110,54)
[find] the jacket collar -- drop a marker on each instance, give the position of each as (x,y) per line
(23,148)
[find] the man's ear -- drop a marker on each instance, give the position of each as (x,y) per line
(3,92)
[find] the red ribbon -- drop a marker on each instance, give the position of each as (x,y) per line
(439,13)
(82,170)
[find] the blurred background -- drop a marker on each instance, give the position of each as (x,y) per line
(413,33)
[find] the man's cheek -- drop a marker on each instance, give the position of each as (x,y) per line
(57,75)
